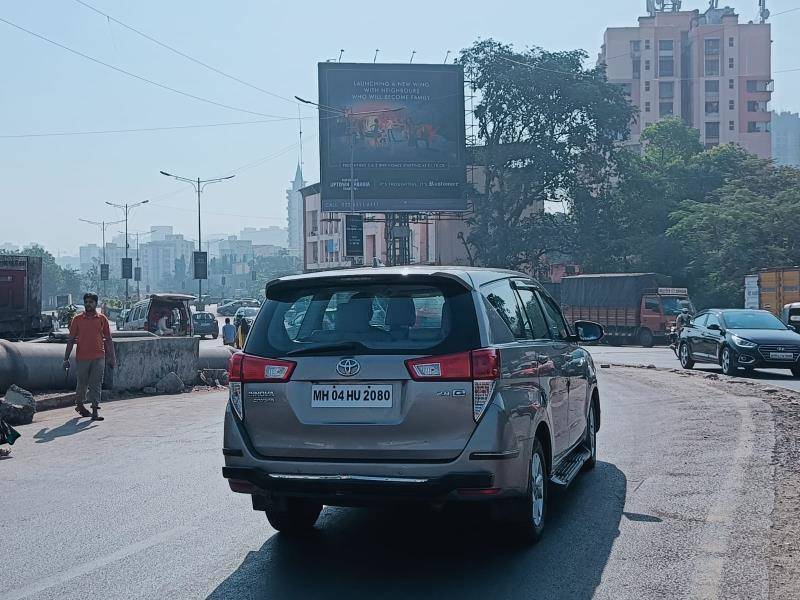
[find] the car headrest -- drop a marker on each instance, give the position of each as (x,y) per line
(401,312)
(354,315)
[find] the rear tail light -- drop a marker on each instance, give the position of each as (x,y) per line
(482,367)
(243,368)
(246,368)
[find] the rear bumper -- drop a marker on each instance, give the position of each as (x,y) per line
(480,472)
(355,486)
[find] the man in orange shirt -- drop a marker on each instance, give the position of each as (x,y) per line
(92,333)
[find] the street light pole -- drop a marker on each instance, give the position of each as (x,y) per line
(127,208)
(102,225)
(199,185)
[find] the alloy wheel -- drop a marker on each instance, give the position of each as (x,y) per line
(538,483)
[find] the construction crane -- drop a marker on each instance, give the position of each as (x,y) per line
(763,12)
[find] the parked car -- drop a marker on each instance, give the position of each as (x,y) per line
(147,314)
(790,315)
(204,323)
(490,400)
(229,309)
(740,339)
(121,318)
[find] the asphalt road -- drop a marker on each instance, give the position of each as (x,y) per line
(135,507)
(664,358)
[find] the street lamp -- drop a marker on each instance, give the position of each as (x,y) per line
(127,208)
(102,225)
(347,114)
(199,186)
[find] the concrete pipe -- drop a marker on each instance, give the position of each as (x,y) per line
(40,366)
(35,366)
(214,357)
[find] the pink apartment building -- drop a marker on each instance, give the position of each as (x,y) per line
(706,68)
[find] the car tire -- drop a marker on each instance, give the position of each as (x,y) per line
(527,515)
(296,515)
(728,361)
(796,371)
(215,336)
(685,356)
(590,438)
(646,338)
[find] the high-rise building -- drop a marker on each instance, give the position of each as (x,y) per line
(294,207)
(706,68)
(786,139)
(262,236)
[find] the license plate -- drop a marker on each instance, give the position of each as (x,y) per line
(781,355)
(351,396)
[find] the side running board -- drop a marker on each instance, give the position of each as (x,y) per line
(566,471)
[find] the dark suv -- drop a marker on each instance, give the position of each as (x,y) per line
(740,339)
(417,384)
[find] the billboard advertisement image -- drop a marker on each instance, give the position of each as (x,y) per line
(403,124)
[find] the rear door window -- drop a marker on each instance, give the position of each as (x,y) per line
(536,317)
(558,327)
(366,315)
(503,299)
(700,321)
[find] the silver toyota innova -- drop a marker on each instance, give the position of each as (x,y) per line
(432,384)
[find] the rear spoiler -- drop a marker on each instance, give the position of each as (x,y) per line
(467,285)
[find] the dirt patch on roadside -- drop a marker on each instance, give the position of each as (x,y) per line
(784,566)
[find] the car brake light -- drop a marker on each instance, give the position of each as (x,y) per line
(246,368)
(482,367)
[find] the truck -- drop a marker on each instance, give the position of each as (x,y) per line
(631,307)
(21,298)
(772,289)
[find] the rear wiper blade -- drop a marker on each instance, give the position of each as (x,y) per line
(344,346)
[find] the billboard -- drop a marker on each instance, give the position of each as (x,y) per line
(200,260)
(403,125)
(353,235)
(104,272)
(127,268)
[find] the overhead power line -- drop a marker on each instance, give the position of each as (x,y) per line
(183,54)
(135,76)
(142,129)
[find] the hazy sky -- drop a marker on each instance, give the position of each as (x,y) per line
(46,183)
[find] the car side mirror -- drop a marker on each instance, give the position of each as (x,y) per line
(714,327)
(589,331)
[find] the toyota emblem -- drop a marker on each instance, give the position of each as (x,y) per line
(347,367)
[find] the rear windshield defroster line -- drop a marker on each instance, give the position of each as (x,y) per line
(380,314)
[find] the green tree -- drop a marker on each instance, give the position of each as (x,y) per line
(549,128)
(747,224)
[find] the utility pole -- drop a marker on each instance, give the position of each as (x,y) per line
(199,185)
(138,281)
(102,225)
(127,208)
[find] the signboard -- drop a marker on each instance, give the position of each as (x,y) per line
(403,126)
(671,291)
(104,272)
(200,260)
(137,273)
(353,235)
(127,268)
(751,296)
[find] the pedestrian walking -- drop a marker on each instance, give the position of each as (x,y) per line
(228,333)
(91,331)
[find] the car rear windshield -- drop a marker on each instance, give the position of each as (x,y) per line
(752,320)
(365,315)
(204,316)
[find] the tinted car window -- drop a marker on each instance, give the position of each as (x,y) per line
(377,314)
(700,321)
(752,320)
(712,320)
(535,315)
(558,327)
(504,300)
